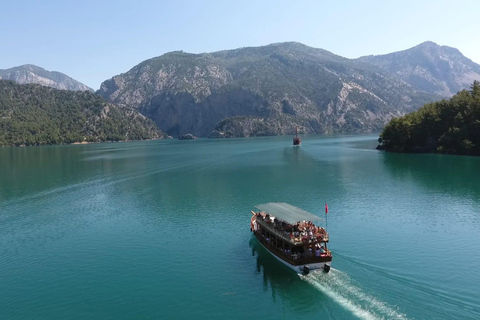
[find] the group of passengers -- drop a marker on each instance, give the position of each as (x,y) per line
(304,231)
(313,249)
(319,249)
(316,250)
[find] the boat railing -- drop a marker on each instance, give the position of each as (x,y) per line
(271,228)
(298,258)
(319,237)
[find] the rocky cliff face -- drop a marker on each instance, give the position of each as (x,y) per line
(263,90)
(32,74)
(429,67)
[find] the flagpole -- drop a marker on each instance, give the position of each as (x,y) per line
(326,220)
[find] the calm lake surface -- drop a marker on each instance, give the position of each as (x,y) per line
(160,230)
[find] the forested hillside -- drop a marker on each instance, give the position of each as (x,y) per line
(447,126)
(31,114)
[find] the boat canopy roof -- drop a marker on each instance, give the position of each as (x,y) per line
(287,212)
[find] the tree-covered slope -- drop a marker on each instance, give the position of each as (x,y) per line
(36,115)
(447,126)
(280,85)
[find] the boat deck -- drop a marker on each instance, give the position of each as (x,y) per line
(294,238)
(307,240)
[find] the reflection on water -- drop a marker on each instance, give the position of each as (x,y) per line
(446,174)
(285,283)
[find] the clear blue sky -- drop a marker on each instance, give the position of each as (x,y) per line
(91,41)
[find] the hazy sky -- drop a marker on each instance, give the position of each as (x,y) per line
(91,41)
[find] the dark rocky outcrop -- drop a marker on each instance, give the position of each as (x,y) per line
(215,134)
(187,136)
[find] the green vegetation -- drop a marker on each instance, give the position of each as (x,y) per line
(35,115)
(246,126)
(447,126)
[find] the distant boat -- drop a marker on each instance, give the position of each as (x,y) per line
(288,233)
(296,140)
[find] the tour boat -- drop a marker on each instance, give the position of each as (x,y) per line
(296,140)
(289,234)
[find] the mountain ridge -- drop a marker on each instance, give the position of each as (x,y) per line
(29,73)
(429,67)
(290,84)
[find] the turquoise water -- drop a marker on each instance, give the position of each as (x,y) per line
(160,229)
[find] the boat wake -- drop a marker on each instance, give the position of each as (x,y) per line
(340,288)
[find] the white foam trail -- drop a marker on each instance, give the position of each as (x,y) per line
(337,286)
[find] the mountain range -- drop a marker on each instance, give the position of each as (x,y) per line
(429,67)
(29,73)
(272,89)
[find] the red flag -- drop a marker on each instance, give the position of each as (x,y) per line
(326,208)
